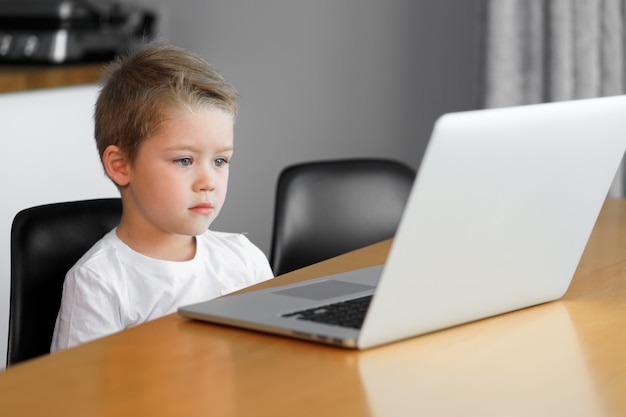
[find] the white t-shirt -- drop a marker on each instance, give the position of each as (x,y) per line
(112,287)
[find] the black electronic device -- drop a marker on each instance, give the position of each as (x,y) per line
(63,31)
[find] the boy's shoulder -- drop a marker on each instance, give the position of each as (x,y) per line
(103,247)
(213,238)
(235,249)
(231,244)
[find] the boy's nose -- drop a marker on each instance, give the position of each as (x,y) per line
(205,180)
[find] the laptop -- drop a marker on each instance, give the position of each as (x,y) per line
(497,220)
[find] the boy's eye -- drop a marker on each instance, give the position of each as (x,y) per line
(183,162)
(220,162)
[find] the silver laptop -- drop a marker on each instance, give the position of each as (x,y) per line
(497,220)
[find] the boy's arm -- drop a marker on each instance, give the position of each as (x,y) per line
(89,310)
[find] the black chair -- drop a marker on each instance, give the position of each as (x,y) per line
(45,242)
(327,208)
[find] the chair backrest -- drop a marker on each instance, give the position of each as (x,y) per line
(327,208)
(45,242)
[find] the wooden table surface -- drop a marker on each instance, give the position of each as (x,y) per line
(562,358)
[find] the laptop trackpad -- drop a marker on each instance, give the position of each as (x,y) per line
(325,289)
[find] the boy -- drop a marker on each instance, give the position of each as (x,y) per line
(164,130)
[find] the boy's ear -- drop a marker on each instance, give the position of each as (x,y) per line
(116,165)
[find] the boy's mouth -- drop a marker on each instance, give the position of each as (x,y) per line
(202,208)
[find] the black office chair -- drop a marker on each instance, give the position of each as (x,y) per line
(45,242)
(327,208)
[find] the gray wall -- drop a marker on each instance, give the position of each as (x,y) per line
(327,79)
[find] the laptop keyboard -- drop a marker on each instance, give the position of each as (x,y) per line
(350,313)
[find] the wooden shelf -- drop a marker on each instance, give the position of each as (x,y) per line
(28,77)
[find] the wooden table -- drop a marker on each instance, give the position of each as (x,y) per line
(565,358)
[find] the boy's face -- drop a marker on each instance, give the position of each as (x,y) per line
(177,184)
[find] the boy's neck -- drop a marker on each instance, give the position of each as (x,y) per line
(166,247)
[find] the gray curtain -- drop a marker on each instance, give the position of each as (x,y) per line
(550,50)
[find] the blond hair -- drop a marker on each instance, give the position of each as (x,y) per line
(146,87)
